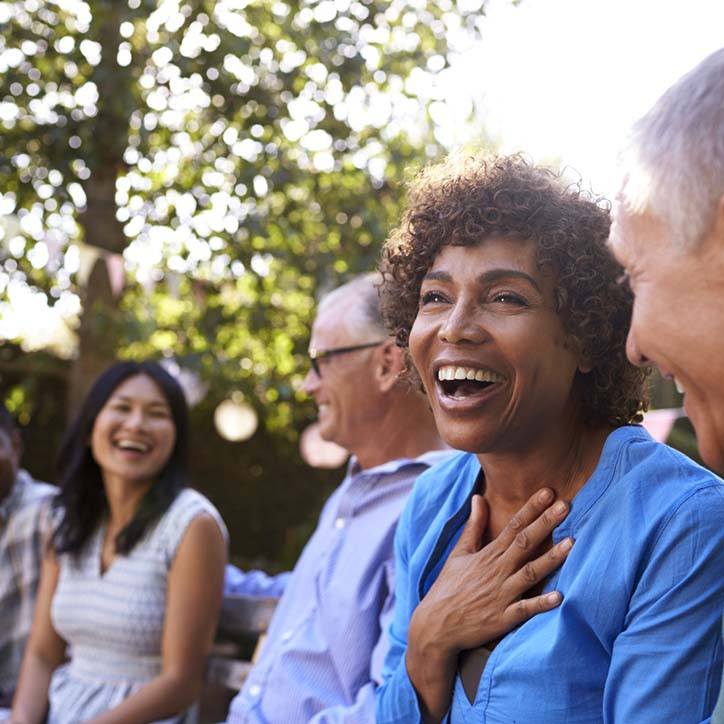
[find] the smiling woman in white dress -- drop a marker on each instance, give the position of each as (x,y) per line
(131,584)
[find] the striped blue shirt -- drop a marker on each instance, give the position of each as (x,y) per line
(323,654)
(637,637)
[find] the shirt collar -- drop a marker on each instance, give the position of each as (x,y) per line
(429,458)
(600,479)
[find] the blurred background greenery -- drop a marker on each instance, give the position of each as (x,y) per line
(183,179)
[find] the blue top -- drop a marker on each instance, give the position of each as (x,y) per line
(637,637)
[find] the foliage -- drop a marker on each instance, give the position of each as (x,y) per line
(242,155)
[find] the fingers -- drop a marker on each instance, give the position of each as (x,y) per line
(527,540)
(534,572)
(534,507)
(472,536)
(526,608)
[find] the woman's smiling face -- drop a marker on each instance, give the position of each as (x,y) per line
(490,347)
(134,433)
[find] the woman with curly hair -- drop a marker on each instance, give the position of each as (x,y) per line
(499,283)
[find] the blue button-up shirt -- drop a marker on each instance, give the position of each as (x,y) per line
(322,658)
(636,639)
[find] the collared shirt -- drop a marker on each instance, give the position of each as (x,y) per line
(636,638)
(322,657)
(24,523)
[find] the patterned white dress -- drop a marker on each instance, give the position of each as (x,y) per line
(113,621)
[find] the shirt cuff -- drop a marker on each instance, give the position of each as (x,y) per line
(397,701)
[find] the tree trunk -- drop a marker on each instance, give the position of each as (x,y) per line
(97,337)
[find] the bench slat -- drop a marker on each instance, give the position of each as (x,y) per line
(248,615)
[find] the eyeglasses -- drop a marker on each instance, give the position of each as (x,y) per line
(315,355)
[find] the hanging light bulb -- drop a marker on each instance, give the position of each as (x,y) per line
(235,419)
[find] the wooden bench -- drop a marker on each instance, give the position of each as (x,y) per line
(242,626)
(242,617)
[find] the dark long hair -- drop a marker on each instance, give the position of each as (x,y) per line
(82,498)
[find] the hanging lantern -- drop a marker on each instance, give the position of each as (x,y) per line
(235,419)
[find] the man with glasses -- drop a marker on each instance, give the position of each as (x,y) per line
(323,654)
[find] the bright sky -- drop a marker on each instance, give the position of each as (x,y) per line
(564,79)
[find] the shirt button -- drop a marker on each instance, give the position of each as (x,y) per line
(254,690)
(339,523)
(286,635)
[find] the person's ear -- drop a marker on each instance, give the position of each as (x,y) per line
(719,223)
(711,248)
(585,364)
(16,442)
(390,365)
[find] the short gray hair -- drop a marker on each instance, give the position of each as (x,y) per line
(674,160)
(365,287)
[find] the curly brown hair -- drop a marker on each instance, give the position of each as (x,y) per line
(464,200)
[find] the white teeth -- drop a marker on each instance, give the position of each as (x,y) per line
(132,445)
(679,387)
(451,372)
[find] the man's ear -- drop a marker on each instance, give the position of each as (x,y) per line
(719,222)
(390,362)
(712,245)
(16,442)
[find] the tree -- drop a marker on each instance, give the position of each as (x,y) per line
(241,155)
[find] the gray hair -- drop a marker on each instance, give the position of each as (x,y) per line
(674,160)
(365,288)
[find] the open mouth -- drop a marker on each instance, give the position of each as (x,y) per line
(462,382)
(132,446)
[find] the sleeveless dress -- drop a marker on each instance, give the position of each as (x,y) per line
(113,621)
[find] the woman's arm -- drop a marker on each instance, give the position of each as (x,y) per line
(195,584)
(44,652)
(477,597)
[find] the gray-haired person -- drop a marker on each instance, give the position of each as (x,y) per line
(668,233)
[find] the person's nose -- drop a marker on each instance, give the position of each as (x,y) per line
(462,324)
(311,382)
(633,351)
(135,419)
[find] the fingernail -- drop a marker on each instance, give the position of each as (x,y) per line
(566,544)
(554,598)
(545,495)
(560,507)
